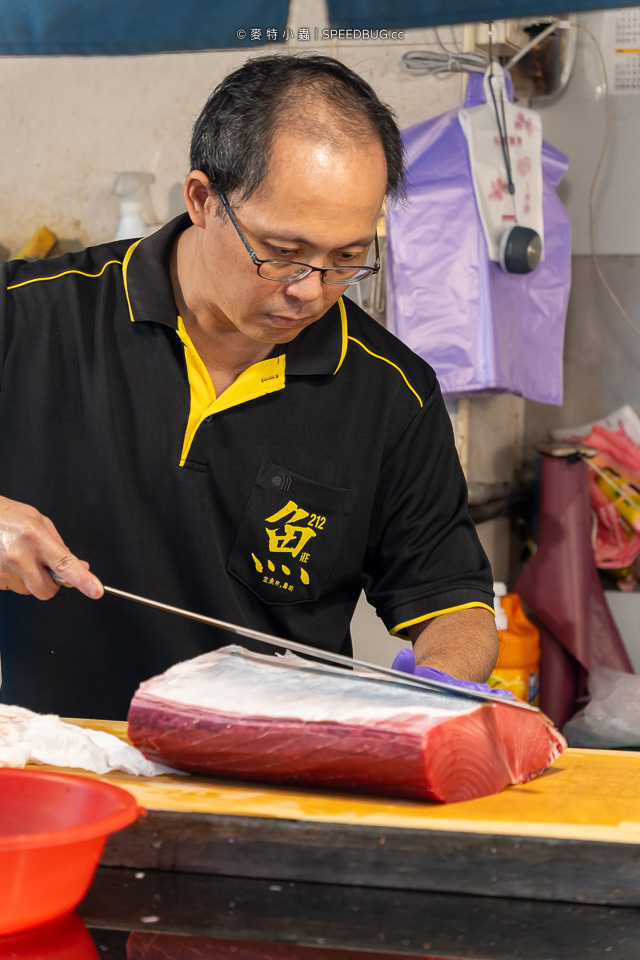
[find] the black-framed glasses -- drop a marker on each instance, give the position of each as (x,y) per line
(282,271)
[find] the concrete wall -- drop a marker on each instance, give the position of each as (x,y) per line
(576,124)
(602,352)
(71,124)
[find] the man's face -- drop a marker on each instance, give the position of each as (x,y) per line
(319,205)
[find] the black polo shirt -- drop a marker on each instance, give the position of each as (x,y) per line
(327,467)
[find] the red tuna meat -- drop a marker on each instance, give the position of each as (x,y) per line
(236,714)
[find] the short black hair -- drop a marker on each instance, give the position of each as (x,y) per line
(232,137)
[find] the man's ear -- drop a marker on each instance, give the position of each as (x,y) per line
(196,194)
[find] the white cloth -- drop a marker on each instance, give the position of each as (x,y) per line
(27,737)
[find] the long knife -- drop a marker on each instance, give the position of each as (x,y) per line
(404,679)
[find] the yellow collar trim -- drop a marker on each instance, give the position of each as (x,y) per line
(391,364)
(261,378)
(345,334)
(125,264)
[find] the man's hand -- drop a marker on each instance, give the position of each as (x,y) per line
(405,661)
(463,643)
(29,545)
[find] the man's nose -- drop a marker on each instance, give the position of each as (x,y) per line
(307,289)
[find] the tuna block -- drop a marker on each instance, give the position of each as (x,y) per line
(236,714)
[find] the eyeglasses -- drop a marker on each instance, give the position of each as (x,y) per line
(286,270)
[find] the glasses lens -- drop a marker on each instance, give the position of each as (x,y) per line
(283,270)
(343,275)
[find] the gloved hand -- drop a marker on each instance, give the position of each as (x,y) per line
(406,663)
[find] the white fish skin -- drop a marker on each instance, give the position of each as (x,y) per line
(236,681)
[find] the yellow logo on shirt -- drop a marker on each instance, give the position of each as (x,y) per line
(290,536)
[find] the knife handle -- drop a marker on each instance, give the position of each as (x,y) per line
(58,578)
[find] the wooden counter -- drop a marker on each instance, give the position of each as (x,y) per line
(572,834)
(266,920)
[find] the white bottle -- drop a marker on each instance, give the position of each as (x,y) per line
(132,188)
(500,590)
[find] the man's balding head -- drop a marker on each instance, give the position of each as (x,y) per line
(314,96)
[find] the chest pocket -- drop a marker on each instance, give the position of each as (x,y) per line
(290,536)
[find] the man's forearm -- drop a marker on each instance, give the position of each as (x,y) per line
(463,644)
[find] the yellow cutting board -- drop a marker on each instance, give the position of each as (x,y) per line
(585,795)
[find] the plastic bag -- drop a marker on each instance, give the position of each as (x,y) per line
(612,717)
(616,540)
(481,329)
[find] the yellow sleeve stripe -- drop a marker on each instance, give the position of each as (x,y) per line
(439,613)
(392,364)
(345,334)
(64,274)
(125,264)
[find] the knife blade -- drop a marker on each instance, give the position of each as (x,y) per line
(403,679)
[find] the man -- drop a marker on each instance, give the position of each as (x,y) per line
(205,418)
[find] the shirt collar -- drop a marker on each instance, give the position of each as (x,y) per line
(318,349)
(147,275)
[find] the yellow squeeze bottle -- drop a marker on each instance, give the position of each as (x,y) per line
(518,663)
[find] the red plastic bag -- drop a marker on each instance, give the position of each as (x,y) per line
(616,537)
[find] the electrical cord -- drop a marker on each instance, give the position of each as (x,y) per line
(502,130)
(539,37)
(422,63)
(454,41)
(594,181)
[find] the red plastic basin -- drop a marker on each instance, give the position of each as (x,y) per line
(53,829)
(64,939)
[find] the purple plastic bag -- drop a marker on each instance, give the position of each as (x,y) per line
(481,329)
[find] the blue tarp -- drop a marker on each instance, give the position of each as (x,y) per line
(111,27)
(107,27)
(394,15)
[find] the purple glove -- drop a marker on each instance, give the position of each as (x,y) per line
(406,663)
